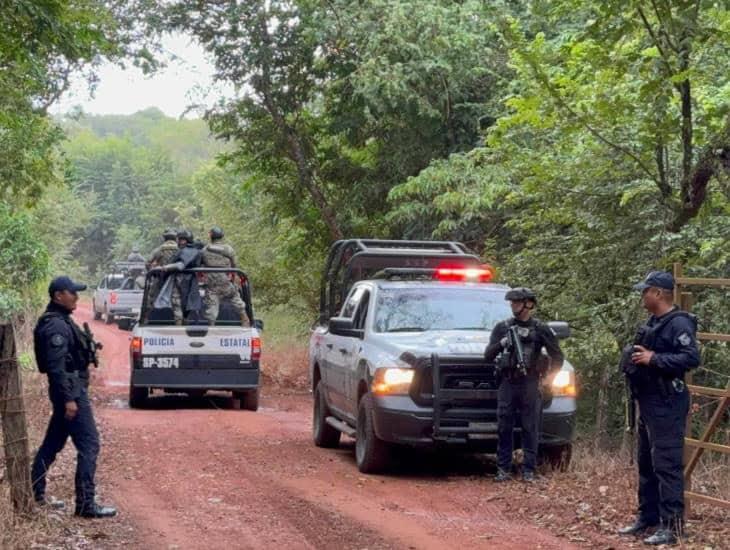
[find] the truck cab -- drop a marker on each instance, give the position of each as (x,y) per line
(196,356)
(118,296)
(401,361)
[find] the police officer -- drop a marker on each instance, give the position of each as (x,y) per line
(666,348)
(182,290)
(163,254)
(220,287)
(519,391)
(61,350)
(135,256)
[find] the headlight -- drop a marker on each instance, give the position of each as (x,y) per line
(391,381)
(564,383)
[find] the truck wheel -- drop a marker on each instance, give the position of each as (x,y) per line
(558,456)
(109,317)
(97,314)
(246,400)
(371,454)
(138,397)
(323,434)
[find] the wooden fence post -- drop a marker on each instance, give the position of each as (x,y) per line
(15,432)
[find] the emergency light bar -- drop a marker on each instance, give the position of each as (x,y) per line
(460,274)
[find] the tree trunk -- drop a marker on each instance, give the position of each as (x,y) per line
(602,407)
(15,432)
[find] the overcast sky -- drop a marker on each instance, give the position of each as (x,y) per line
(185,80)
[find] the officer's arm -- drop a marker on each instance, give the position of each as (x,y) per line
(684,355)
(57,344)
(232,257)
(494,347)
(550,342)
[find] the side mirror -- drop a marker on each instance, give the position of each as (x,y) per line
(258,324)
(560,328)
(342,326)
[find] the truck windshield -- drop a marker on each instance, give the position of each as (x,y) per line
(443,308)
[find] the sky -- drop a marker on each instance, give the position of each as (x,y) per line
(187,79)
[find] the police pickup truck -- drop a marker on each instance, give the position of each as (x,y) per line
(196,356)
(397,357)
(118,297)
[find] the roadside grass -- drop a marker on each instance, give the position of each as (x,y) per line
(284,354)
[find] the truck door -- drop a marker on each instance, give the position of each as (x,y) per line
(338,351)
(352,356)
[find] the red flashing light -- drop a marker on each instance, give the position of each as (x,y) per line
(135,348)
(113,297)
(480,274)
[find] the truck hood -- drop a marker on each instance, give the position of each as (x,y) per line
(443,342)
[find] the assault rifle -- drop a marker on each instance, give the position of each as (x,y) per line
(515,346)
(92,346)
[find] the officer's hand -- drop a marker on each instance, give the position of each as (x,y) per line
(504,342)
(641,355)
(71,409)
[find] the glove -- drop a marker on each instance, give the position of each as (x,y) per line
(504,342)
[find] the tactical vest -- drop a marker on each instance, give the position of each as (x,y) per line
(217,255)
(166,252)
(532,350)
(77,358)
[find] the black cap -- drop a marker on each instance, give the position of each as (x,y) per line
(656,279)
(59,284)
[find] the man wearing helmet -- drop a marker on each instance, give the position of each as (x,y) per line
(519,391)
(135,256)
(162,255)
(220,286)
(180,290)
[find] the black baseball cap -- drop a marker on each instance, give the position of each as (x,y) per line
(59,284)
(656,279)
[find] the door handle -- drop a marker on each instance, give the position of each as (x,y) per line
(329,346)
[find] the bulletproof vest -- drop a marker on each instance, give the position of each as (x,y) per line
(77,358)
(217,255)
(167,252)
(530,345)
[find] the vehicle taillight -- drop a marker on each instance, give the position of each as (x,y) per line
(255,349)
(481,274)
(113,297)
(135,348)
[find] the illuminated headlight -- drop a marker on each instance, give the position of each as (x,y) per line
(564,383)
(392,381)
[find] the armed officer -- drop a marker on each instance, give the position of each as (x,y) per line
(64,351)
(665,348)
(135,256)
(519,384)
(163,254)
(180,290)
(220,285)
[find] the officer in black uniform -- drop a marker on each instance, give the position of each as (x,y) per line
(520,391)
(62,352)
(665,348)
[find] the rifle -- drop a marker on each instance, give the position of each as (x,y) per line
(630,372)
(515,345)
(92,346)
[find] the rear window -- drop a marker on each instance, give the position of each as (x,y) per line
(439,308)
(114,282)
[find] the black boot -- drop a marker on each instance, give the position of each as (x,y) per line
(638,527)
(50,503)
(95,511)
(664,535)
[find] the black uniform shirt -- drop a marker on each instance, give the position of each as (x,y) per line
(59,353)
(674,345)
(540,335)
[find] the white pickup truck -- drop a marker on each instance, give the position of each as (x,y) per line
(398,355)
(197,356)
(118,297)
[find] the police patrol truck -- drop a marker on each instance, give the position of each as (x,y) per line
(198,355)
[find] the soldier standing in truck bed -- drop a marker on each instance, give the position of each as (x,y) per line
(220,285)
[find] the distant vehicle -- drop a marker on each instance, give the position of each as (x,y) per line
(195,358)
(118,297)
(397,357)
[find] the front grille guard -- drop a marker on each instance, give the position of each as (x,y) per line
(463,395)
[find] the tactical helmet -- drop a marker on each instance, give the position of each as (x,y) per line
(135,249)
(216,233)
(169,234)
(519,294)
(186,234)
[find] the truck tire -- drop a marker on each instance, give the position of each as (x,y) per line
(371,453)
(138,397)
(246,400)
(558,456)
(323,434)
(109,317)
(97,314)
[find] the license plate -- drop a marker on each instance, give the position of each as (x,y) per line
(160,362)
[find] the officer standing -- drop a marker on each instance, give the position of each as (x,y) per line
(135,256)
(220,286)
(180,290)
(163,254)
(666,348)
(62,352)
(519,389)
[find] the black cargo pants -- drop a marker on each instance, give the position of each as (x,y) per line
(83,433)
(660,447)
(518,398)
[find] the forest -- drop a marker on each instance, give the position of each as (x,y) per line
(574,145)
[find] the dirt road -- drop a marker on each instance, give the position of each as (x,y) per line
(197,474)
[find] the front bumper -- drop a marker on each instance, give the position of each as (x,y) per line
(397,419)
